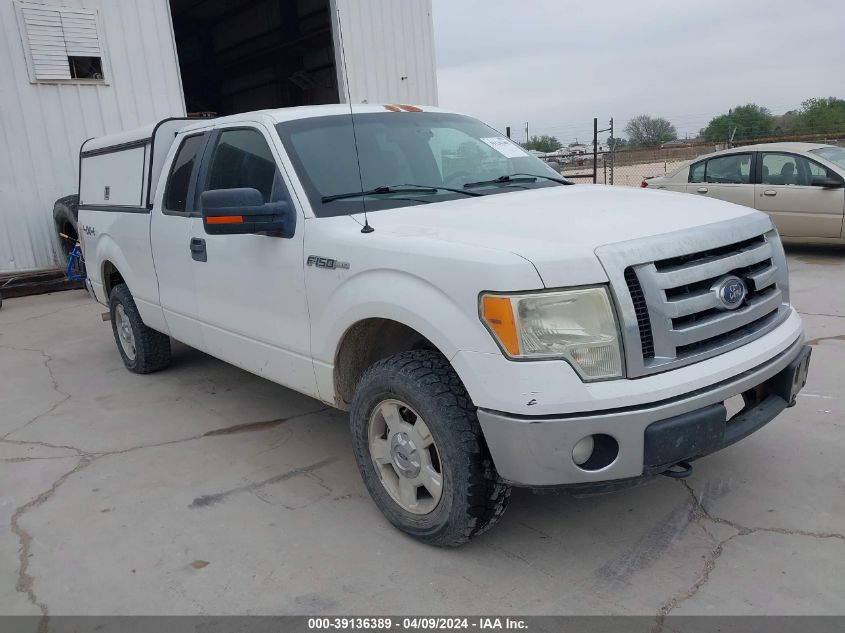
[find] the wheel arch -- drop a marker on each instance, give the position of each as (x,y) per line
(106,259)
(111,277)
(384,312)
(366,342)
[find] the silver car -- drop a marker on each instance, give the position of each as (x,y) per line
(800,185)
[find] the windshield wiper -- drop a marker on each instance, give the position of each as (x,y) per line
(515,178)
(406,188)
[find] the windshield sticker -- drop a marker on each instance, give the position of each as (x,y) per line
(506,148)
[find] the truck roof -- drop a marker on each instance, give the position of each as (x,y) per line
(278,115)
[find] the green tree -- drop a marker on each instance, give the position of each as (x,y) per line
(543,143)
(819,116)
(645,130)
(784,124)
(749,121)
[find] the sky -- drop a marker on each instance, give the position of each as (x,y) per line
(556,64)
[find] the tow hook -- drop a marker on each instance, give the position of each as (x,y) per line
(680,470)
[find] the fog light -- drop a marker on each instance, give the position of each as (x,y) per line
(583,450)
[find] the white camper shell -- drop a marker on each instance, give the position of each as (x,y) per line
(119,171)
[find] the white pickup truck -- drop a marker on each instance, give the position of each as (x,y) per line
(485,324)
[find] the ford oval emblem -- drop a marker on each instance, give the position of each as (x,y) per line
(730,292)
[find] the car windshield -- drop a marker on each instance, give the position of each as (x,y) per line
(835,155)
(406,158)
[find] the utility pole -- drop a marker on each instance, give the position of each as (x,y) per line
(596,131)
(527,138)
(508,131)
(612,150)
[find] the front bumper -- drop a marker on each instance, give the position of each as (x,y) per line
(537,451)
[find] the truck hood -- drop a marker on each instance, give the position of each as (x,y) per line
(557,228)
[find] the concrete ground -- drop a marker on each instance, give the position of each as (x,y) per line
(205,490)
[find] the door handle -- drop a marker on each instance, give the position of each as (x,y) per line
(770,192)
(198,252)
(702,190)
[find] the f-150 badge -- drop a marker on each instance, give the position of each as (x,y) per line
(325,262)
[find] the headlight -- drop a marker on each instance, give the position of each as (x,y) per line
(576,325)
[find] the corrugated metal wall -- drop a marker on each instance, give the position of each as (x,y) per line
(389,46)
(42,125)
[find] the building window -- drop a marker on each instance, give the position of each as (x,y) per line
(85,67)
(61,43)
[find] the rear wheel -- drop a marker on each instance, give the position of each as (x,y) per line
(421,452)
(142,349)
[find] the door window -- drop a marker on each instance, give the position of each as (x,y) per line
(242,158)
(790,169)
(734,169)
(816,170)
(179,181)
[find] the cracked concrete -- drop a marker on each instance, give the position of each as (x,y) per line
(22,411)
(63,395)
(25,582)
(101,472)
(700,514)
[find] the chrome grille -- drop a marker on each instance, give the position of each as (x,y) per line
(671,312)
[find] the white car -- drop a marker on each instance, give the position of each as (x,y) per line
(800,185)
(484,323)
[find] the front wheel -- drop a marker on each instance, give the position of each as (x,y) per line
(421,452)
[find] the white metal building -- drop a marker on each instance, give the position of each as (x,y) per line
(75,69)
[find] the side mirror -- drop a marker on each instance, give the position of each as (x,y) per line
(827,182)
(243,211)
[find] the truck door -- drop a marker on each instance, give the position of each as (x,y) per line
(251,288)
(173,214)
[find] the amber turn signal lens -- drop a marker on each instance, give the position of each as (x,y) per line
(497,313)
(225,219)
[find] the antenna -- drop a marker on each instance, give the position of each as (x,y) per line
(366,228)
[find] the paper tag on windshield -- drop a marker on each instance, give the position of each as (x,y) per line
(506,148)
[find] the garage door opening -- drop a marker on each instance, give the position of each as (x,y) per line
(241,56)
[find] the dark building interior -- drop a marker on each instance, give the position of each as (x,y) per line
(242,55)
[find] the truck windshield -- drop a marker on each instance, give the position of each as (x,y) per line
(406,158)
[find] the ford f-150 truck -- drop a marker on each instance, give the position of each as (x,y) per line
(485,324)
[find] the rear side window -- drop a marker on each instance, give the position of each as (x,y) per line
(696,172)
(733,169)
(242,158)
(181,172)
